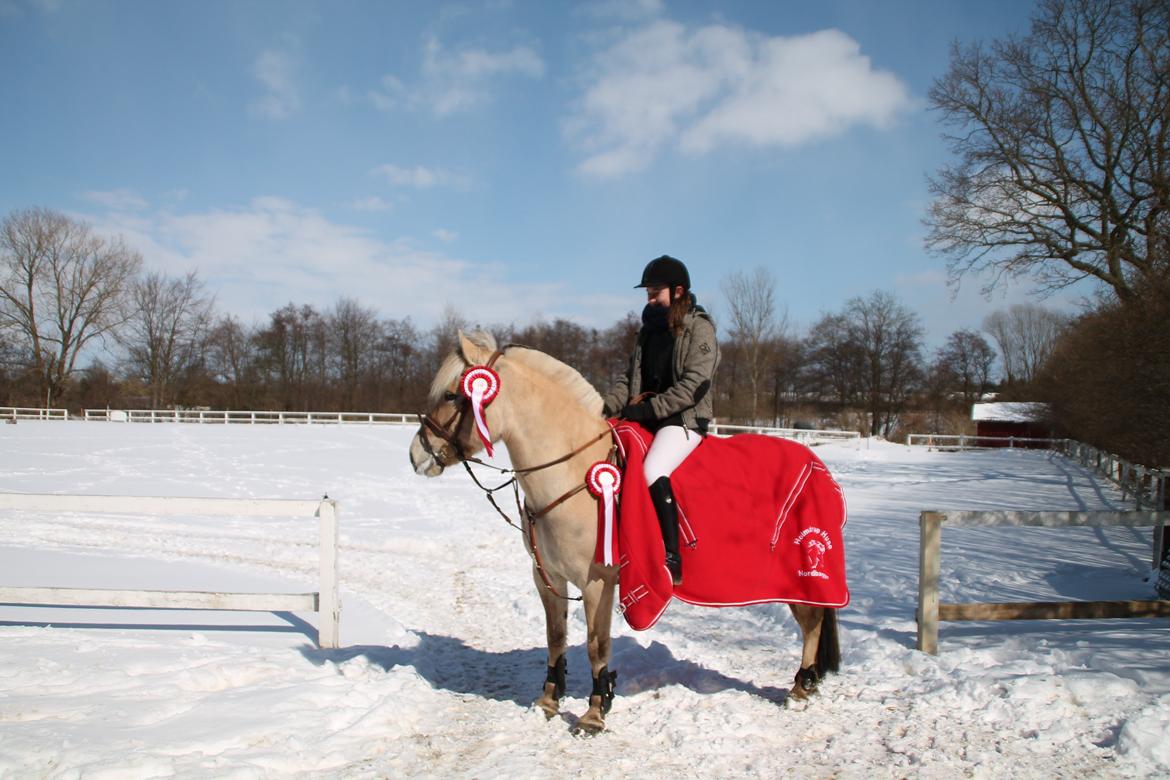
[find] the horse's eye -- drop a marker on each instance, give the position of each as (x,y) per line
(450,396)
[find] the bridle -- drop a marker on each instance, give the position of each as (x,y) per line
(448,432)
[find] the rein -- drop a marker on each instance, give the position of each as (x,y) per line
(448,432)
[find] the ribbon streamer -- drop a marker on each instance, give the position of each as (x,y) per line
(605,483)
(481,385)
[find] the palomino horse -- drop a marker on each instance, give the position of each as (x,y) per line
(550,419)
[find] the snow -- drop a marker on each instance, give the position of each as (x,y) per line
(1010,411)
(443,637)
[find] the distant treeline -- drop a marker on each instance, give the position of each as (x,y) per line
(864,367)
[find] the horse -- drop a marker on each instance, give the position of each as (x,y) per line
(550,419)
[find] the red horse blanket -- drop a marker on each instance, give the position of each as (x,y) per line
(761,519)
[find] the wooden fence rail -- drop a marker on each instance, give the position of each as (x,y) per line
(32,413)
(222,417)
(931,612)
(804,435)
(325,601)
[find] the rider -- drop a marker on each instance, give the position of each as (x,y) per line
(667,387)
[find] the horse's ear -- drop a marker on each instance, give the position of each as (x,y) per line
(472,352)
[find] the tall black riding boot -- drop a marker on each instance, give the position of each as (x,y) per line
(664,507)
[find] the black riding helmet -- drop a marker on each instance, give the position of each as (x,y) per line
(665,271)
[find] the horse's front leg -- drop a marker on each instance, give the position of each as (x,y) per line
(556,613)
(598,598)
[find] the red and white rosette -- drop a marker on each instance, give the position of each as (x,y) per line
(604,482)
(481,385)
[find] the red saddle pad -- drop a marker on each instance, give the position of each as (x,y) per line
(761,520)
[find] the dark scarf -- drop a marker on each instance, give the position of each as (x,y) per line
(657,350)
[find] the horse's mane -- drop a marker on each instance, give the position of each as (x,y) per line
(566,376)
(562,374)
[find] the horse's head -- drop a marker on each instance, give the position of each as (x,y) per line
(456,425)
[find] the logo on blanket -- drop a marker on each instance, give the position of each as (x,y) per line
(814,543)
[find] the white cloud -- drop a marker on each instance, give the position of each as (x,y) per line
(456,80)
(116,200)
(276,71)
(666,85)
(623,10)
(372,203)
(274,251)
(446,236)
(420,177)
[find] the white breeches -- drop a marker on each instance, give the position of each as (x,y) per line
(671,446)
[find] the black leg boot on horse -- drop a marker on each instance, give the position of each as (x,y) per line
(664,506)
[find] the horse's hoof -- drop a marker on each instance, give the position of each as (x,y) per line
(590,725)
(548,702)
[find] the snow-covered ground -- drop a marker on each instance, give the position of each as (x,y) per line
(444,642)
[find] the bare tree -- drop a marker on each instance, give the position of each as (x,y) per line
(232,361)
(403,365)
(165,338)
(835,360)
(890,340)
(445,334)
(751,302)
(964,363)
(354,335)
(1108,381)
(61,287)
(1026,334)
(291,353)
(786,363)
(1063,168)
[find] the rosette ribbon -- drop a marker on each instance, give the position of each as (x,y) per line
(604,482)
(481,385)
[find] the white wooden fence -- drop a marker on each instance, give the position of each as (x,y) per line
(219,417)
(30,413)
(797,434)
(325,602)
(964,442)
(931,612)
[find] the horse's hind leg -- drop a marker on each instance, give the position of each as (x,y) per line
(556,611)
(811,621)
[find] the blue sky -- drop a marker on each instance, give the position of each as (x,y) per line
(512,160)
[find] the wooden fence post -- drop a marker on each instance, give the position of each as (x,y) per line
(329,609)
(930,537)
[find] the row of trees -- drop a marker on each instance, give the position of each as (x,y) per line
(64,288)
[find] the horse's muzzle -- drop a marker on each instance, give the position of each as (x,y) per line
(423,459)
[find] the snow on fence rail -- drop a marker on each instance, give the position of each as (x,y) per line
(30,413)
(219,417)
(797,434)
(325,602)
(931,612)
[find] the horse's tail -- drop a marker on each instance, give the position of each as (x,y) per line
(828,648)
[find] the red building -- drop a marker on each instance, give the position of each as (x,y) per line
(1008,420)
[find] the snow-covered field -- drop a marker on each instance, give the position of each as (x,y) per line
(443,639)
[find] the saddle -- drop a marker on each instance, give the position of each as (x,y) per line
(760,520)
